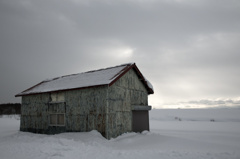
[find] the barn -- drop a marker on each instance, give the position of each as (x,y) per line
(111,100)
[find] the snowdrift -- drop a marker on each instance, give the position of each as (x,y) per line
(175,134)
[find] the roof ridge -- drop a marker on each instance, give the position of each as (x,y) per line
(109,67)
(94,78)
(91,71)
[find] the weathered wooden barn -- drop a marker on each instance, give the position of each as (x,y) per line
(112,101)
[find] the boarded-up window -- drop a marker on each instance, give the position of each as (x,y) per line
(57,97)
(53,119)
(57,119)
(60,119)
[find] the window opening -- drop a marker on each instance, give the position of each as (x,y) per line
(57,119)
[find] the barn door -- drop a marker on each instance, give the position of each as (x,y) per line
(140,120)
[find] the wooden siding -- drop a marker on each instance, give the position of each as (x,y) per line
(34,115)
(84,111)
(123,94)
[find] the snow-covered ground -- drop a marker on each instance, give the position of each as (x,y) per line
(175,134)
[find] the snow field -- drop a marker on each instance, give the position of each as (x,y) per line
(195,136)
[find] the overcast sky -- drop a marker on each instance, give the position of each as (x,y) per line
(188,49)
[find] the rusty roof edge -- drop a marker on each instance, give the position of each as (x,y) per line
(34,93)
(133,65)
(121,73)
(20,94)
(115,78)
(150,91)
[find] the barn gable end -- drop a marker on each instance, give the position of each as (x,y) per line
(127,92)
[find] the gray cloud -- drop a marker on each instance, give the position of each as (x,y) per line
(189,50)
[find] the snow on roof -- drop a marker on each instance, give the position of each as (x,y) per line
(87,79)
(149,83)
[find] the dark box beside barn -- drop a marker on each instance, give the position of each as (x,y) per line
(112,101)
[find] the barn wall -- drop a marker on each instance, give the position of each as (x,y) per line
(85,109)
(123,94)
(34,114)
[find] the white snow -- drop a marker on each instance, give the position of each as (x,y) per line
(87,79)
(149,84)
(175,134)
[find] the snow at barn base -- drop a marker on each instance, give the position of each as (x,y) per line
(175,134)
